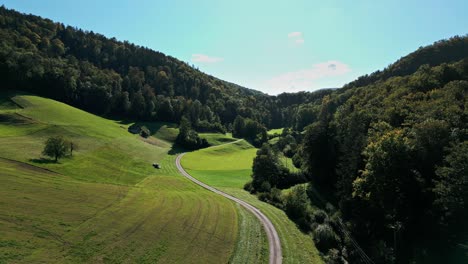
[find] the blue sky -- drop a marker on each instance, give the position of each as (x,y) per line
(272,46)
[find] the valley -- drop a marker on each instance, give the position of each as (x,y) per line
(112,151)
(118,208)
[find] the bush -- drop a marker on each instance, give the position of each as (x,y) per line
(296,206)
(273,197)
(145,132)
(297,160)
(188,138)
(287,179)
(205,126)
(265,187)
(271,136)
(248,187)
(319,216)
(333,256)
(325,238)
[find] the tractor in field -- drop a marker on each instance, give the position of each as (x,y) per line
(156,166)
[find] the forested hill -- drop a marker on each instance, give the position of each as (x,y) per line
(114,78)
(389,150)
(387,161)
(392,155)
(443,51)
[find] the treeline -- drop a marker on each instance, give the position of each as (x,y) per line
(389,151)
(119,79)
(394,156)
(443,51)
(387,164)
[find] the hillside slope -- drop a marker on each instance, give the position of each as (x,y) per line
(106,203)
(389,155)
(444,51)
(116,78)
(227,168)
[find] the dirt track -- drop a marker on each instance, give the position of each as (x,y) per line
(276,255)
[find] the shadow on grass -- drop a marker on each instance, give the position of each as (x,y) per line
(175,150)
(154,127)
(43,161)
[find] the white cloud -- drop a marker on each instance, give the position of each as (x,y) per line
(299,41)
(295,34)
(306,79)
(202,58)
(296,37)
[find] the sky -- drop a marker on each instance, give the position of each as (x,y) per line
(272,46)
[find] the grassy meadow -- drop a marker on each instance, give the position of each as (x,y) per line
(215,139)
(107,204)
(222,166)
(275,131)
(228,168)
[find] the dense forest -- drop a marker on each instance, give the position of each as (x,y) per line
(385,157)
(119,79)
(387,162)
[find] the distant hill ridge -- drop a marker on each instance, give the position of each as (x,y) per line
(116,78)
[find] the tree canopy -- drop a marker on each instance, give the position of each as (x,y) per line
(56,147)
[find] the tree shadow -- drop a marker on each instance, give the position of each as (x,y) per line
(43,161)
(175,150)
(125,122)
(153,127)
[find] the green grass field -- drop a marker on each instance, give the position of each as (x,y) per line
(228,168)
(222,166)
(287,162)
(275,131)
(215,139)
(106,203)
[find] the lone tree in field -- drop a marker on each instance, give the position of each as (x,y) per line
(56,147)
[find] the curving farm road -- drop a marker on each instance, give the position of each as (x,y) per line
(276,256)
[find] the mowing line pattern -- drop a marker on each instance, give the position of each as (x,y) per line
(276,256)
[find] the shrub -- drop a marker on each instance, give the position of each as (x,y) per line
(145,132)
(319,216)
(325,238)
(333,256)
(188,138)
(265,187)
(248,187)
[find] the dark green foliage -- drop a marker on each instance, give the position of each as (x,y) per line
(188,138)
(205,126)
(250,130)
(269,173)
(334,257)
(56,147)
(248,187)
(296,206)
(297,159)
(145,132)
(443,51)
(387,173)
(319,153)
(272,196)
(389,149)
(319,216)
(287,143)
(110,77)
(306,115)
(266,169)
(325,238)
(238,127)
(451,188)
(390,154)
